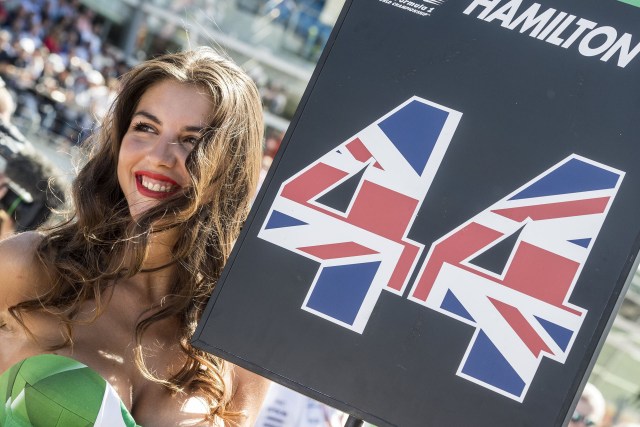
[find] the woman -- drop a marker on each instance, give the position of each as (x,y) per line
(115,293)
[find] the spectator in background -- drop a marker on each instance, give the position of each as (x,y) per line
(286,408)
(27,195)
(272,143)
(7,53)
(31,192)
(274,97)
(10,134)
(590,409)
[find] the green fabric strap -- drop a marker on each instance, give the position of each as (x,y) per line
(14,206)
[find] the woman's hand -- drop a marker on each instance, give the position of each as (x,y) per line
(7,226)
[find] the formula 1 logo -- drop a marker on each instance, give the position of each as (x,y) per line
(418,7)
(508,272)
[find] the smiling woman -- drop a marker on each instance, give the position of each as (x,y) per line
(117,289)
(166,126)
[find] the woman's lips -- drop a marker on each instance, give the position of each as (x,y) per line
(154,185)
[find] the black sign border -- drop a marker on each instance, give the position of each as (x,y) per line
(591,353)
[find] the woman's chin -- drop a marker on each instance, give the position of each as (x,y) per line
(139,208)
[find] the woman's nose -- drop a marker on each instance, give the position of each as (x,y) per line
(162,152)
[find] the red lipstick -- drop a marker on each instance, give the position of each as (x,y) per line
(161,179)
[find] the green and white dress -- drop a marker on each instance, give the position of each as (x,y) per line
(49,390)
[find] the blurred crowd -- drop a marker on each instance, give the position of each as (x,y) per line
(592,410)
(311,20)
(61,72)
(54,61)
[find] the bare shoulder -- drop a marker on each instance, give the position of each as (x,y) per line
(249,390)
(22,274)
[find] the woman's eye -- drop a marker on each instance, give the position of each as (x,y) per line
(190,140)
(142,127)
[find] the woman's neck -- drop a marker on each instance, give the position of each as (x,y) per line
(158,267)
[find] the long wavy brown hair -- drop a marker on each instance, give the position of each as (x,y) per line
(101,243)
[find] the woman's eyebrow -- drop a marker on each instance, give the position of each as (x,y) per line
(196,129)
(148,116)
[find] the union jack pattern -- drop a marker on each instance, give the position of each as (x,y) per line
(509,271)
(360,240)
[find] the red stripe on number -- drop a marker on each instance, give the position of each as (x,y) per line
(312,182)
(338,250)
(541,274)
(403,267)
(556,210)
(522,327)
(358,150)
(382,211)
(452,250)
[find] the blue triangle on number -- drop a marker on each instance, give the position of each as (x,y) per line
(560,335)
(453,305)
(575,176)
(280,220)
(581,242)
(486,364)
(340,290)
(414,130)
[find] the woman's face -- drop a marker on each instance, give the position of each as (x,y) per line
(164,128)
